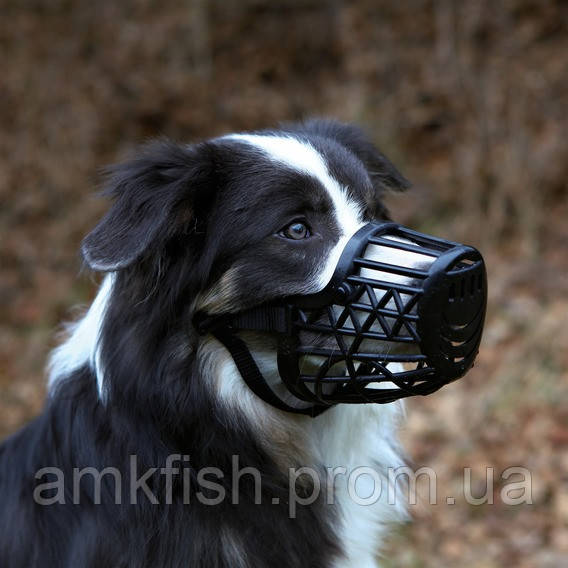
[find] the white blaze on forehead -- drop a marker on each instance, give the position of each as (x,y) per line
(303,157)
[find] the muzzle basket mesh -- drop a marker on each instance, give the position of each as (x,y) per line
(391,330)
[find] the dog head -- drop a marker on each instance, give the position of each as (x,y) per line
(219,226)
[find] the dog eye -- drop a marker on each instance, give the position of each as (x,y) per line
(296,231)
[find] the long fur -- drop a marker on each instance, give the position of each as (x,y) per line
(193,227)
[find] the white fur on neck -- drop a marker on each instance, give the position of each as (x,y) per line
(355,435)
(82,345)
(347,436)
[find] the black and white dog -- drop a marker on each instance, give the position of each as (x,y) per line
(154,415)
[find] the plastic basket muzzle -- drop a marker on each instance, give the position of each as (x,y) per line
(383,331)
(402,315)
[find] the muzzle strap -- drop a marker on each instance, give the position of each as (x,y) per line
(250,372)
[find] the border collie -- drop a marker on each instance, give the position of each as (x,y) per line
(151,450)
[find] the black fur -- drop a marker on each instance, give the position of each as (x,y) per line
(182,215)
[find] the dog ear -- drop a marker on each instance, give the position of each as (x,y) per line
(382,172)
(147,191)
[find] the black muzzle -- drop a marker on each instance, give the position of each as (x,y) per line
(402,315)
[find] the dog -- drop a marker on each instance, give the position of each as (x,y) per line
(152,450)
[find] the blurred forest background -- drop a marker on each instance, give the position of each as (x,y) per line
(469,99)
